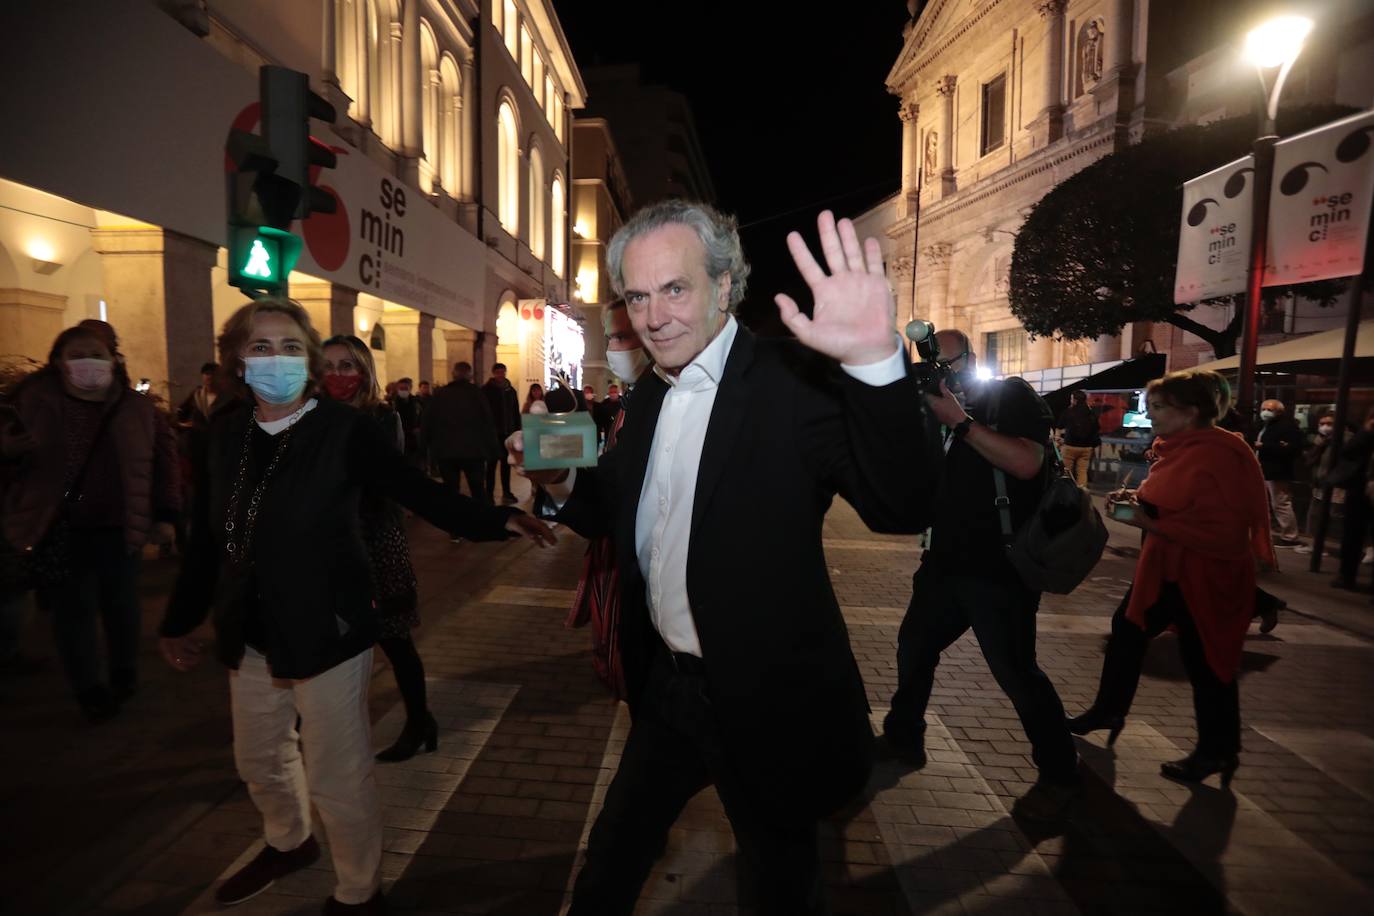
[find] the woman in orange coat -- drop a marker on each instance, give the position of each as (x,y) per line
(1206,521)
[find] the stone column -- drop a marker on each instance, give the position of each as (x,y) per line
(329,44)
(159,299)
(395,100)
(412,83)
(461,347)
(1120,28)
(409,344)
(909,112)
(945,87)
(30,321)
(483,355)
(330,306)
(467,148)
(899,270)
(362,75)
(937,307)
(336,34)
(1050,122)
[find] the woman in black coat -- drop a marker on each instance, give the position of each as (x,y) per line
(280,558)
(350,377)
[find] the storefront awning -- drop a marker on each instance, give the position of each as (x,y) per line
(1314,354)
(1130,375)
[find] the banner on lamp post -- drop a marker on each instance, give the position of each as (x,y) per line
(1214,237)
(1319,215)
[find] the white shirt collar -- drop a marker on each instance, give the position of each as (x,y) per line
(272,427)
(710,361)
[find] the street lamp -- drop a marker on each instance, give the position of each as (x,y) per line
(1273,44)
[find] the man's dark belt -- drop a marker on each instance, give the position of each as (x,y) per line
(686,663)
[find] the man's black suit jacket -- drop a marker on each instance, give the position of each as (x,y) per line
(780,443)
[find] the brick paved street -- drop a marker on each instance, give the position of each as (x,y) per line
(144,814)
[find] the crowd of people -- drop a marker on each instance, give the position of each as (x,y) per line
(285,478)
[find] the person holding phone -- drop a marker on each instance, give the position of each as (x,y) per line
(1205,513)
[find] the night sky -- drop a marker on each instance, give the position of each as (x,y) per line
(789,100)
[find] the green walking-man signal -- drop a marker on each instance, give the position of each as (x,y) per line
(258,259)
(261,258)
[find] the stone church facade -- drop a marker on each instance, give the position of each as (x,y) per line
(1000,100)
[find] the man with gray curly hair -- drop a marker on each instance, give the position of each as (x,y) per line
(737,664)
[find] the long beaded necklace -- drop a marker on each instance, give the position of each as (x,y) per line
(239,552)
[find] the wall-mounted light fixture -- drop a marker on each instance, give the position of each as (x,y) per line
(44,256)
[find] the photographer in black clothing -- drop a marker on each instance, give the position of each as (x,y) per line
(965,578)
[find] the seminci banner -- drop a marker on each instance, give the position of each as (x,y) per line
(1214,238)
(1320,207)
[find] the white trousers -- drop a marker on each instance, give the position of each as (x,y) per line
(1281,499)
(336,773)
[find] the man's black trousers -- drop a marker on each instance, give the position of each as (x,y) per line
(505,476)
(452,470)
(1002,614)
(672,753)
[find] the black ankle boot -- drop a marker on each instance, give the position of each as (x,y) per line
(1196,767)
(1093,720)
(424,732)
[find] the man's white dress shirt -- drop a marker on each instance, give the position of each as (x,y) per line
(663,522)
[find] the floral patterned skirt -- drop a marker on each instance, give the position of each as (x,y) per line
(393,577)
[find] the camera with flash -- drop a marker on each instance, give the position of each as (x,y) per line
(931,370)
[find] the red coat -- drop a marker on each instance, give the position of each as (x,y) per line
(1213,525)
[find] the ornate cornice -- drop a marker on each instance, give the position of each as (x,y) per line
(961,202)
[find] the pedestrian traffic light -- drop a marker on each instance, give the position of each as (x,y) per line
(287,107)
(259,208)
(261,258)
(269,184)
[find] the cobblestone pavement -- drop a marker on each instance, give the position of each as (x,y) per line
(144,814)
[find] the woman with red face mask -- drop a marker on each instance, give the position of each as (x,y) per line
(350,376)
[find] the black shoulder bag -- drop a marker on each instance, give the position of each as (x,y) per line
(1061,543)
(51,561)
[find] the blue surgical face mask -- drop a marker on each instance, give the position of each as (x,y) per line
(276,379)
